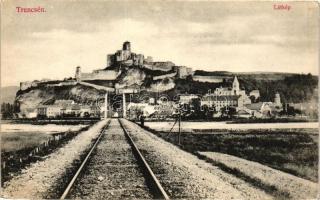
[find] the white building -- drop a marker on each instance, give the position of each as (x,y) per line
(255,93)
(227,97)
(49,111)
(187,98)
(221,101)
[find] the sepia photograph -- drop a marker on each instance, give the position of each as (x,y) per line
(175,99)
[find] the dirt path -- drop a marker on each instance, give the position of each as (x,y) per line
(37,181)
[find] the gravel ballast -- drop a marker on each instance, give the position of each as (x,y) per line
(184,175)
(38,179)
(113,171)
(296,187)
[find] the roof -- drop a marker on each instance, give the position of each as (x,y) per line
(75,107)
(235,79)
(188,95)
(63,102)
(243,112)
(223,89)
(221,98)
(94,107)
(47,106)
(257,91)
(85,107)
(255,106)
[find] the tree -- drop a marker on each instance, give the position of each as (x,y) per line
(7,110)
(228,112)
(253,99)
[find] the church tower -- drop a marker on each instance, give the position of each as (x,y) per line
(277,100)
(235,86)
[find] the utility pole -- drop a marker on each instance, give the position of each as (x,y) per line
(106,106)
(124,112)
(179,136)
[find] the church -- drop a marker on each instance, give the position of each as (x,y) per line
(226,97)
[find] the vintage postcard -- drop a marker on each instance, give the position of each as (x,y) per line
(159,99)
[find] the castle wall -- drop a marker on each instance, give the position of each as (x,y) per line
(138,59)
(149,59)
(183,71)
(210,79)
(100,75)
(29,84)
(98,87)
(165,76)
(25,85)
(110,59)
(64,83)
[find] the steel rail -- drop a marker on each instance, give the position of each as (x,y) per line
(68,188)
(161,193)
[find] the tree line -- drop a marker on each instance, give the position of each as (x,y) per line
(8,110)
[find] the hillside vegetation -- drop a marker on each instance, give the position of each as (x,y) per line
(293,88)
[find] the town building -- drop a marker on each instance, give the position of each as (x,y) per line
(255,94)
(67,108)
(221,101)
(187,98)
(277,100)
(49,111)
(227,97)
(265,109)
(235,90)
(261,109)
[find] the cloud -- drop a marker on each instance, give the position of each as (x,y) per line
(203,35)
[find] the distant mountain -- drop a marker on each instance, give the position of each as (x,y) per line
(8,94)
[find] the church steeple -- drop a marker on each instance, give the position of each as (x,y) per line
(235,86)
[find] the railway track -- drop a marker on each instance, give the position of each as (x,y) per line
(84,162)
(114,169)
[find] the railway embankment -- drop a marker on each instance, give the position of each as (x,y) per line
(41,178)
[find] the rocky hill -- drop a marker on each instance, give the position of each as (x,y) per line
(292,87)
(29,99)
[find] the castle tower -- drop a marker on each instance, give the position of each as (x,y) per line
(126,46)
(235,86)
(78,74)
(277,100)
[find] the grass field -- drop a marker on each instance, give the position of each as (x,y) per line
(293,151)
(18,141)
(16,137)
(189,126)
(23,144)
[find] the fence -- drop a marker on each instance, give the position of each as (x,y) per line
(12,162)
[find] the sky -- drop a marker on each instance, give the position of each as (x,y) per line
(205,35)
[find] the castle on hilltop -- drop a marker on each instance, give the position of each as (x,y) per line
(126,58)
(115,62)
